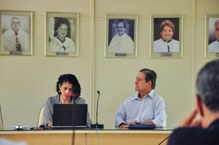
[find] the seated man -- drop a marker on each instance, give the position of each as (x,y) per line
(205,130)
(144,107)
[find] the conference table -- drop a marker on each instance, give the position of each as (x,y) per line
(88,137)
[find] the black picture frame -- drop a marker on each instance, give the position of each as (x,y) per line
(159,48)
(124,45)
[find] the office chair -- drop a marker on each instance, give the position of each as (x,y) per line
(1,119)
(41,116)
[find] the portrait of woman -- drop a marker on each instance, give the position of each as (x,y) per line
(166,35)
(62,34)
(61,40)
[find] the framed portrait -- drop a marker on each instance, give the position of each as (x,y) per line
(121,36)
(16,33)
(212,36)
(62,34)
(166,36)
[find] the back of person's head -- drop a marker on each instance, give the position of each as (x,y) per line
(70,78)
(150,75)
(207,85)
(167,23)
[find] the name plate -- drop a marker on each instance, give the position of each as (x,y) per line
(167,54)
(120,54)
(62,53)
(15,52)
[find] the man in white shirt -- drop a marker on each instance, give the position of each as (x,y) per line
(144,107)
(15,39)
(121,42)
(166,43)
(214,46)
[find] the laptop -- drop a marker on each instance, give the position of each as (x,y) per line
(69,116)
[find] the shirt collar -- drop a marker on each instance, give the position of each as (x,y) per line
(150,94)
(124,35)
(19,31)
(61,102)
(167,41)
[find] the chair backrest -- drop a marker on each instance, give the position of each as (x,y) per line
(41,116)
(1,119)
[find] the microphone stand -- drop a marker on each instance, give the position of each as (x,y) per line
(97,125)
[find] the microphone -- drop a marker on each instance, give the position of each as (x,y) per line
(97,125)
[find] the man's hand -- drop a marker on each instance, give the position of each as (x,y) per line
(124,126)
(190,120)
(50,124)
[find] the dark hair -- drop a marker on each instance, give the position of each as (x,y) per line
(76,87)
(122,21)
(58,22)
(150,75)
(207,85)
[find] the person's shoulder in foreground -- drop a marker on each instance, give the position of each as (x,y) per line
(202,125)
(195,135)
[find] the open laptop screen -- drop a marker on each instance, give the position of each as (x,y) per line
(70,115)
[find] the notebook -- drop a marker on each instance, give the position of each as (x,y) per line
(69,116)
(142,126)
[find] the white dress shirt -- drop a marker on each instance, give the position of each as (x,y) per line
(149,109)
(161,46)
(121,44)
(214,46)
(57,46)
(9,40)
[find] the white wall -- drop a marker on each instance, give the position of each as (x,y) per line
(26,82)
